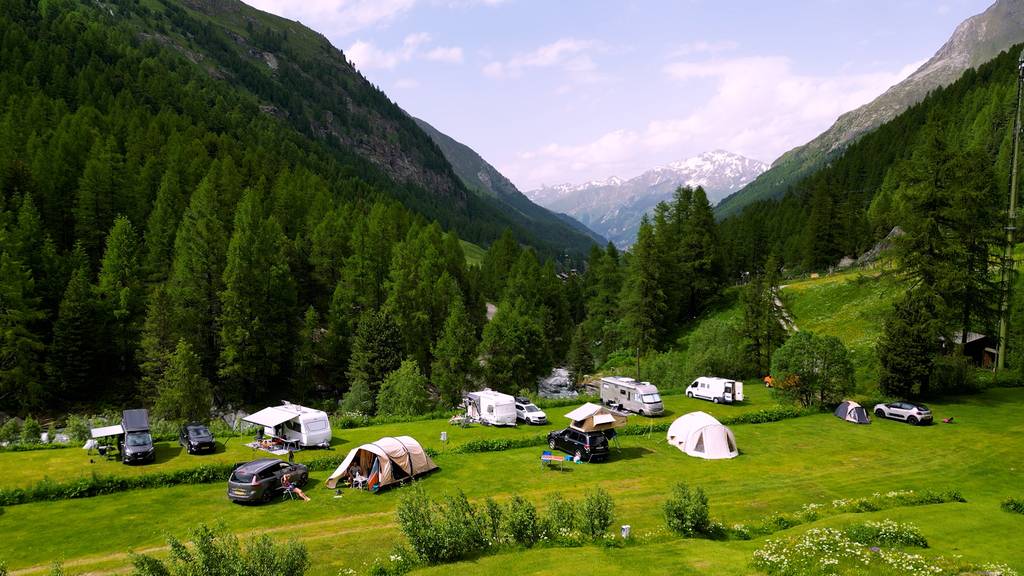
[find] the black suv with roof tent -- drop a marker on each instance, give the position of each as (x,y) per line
(589,446)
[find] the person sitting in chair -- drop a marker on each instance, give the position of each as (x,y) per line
(289,486)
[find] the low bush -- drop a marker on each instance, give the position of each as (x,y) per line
(887,533)
(520,522)
(596,513)
(10,431)
(215,552)
(1013,505)
(687,512)
(443,532)
(561,519)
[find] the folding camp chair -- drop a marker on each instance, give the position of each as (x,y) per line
(289,493)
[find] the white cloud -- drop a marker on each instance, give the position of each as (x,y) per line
(367,56)
(451,54)
(703,47)
(337,18)
(759,107)
(566,53)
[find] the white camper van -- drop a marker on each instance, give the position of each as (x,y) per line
(717,390)
(628,394)
(491,408)
(294,424)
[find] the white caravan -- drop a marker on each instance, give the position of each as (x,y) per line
(294,424)
(491,408)
(717,390)
(628,394)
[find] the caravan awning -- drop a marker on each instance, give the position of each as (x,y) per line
(105,431)
(269,417)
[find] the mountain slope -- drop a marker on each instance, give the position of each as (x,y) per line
(479,176)
(613,207)
(975,41)
(300,79)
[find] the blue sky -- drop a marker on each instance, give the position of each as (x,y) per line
(568,91)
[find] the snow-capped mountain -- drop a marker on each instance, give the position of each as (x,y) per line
(613,207)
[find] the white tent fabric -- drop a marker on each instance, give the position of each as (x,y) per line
(700,435)
(269,417)
(105,431)
(398,458)
(593,417)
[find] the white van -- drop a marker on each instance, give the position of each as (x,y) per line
(717,390)
(294,424)
(491,408)
(628,394)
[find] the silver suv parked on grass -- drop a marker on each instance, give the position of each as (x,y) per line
(910,412)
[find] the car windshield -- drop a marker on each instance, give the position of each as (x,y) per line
(531,408)
(198,432)
(651,398)
(139,439)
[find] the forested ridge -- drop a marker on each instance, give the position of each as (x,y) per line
(153,216)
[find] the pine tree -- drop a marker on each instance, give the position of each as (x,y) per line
(581,361)
(94,206)
(258,304)
(183,392)
(762,318)
(197,274)
(512,350)
(21,345)
(162,225)
(376,351)
(309,356)
(454,356)
(73,354)
(643,300)
(698,243)
(909,344)
(120,293)
(497,264)
(157,342)
(404,392)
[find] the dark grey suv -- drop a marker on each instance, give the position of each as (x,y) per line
(260,480)
(589,446)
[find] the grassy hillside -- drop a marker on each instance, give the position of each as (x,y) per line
(782,467)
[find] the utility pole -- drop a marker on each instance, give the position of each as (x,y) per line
(1011,227)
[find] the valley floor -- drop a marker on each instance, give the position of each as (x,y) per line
(782,466)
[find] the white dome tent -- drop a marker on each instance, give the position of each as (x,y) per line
(701,436)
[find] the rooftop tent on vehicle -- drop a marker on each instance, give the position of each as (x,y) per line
(593,417)
(852,412)
(700,435)
(395,459)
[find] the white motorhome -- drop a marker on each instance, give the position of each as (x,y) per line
(628,394)
(491,408)
(294,424)
(717,390)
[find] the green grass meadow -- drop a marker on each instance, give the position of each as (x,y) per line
(782,466)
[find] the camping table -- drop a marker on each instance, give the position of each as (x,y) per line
(552,458)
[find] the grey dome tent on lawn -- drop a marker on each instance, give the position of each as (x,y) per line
(852,412)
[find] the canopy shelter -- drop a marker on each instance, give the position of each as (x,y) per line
(852,412)
(593,418)
(698,434)
(269,417)
(386,461)
(105,431)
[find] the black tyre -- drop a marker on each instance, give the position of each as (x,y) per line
(689,394)
(551,443)
(913,420)
(715,400)
(880,413)
(267,495)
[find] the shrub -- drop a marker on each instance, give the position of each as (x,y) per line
(492,517)
(952,374)
(400,561)
(687,511)
(441,533)
(10,431)
(215,552)
(717,347)
(561,517)
(1013,505)
(520,521)
(31,431)
(77,428)
(596,513)
(887,533)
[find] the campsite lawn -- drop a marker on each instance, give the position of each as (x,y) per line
(782,466)
(69,463)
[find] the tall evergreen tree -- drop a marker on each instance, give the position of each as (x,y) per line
(157,341)
(376,352)
(310,360)
(909,344)
(73,354)
(258,304)
(643,300)
(21,345)
(119,289)
(455,359)
(404,392)
(183,392)
(94,205)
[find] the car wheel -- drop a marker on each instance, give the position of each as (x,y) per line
(912,420)
(551,443)
(267,495)
(880,413)
(689,394)
(715,400)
